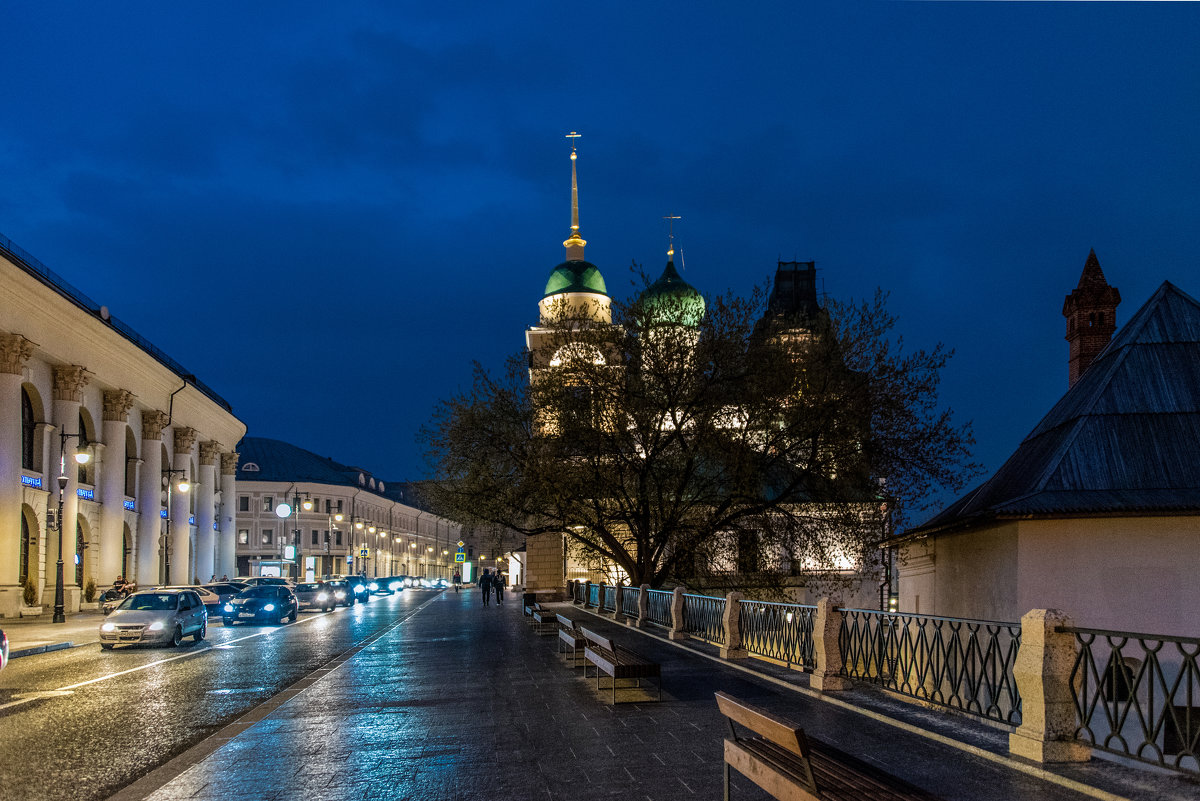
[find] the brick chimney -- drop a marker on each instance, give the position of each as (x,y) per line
(1091,312)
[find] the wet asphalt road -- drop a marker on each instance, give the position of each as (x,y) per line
(92,728)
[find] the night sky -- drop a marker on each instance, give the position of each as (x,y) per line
(326,211)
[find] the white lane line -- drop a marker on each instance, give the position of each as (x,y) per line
(184,656)
(25,698)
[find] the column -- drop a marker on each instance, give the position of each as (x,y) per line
(69,381)
(227,536)
(180,537)
(15,350)
(111,484)
(677,626)
(827,629)
(206,496)
(1043,675)
(149,500)
(733,648)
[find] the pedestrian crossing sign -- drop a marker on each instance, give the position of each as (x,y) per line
(460,557)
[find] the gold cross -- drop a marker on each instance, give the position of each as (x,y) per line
(573,136)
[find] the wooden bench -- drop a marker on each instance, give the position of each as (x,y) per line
(570,634)
(617,661)
(791,767)
(544,621)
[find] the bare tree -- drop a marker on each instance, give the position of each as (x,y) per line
(659,446)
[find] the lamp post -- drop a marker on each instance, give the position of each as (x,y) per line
(82,456)
(183,486)
(329,534)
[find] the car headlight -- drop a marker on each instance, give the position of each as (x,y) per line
(109,627)
(340,594)
(228,607)
(323,597)
(360,588)
(373,586)
(269,608)
(156,626)
(395,585)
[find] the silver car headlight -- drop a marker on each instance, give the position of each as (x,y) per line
(228,607)
(323,597)
(269,608)
(109,627)
(155,626)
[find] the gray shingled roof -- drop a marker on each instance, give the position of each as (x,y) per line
(1123,440)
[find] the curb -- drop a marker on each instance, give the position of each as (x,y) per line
(43,649)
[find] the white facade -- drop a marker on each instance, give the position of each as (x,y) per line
(398,539)
(71,375)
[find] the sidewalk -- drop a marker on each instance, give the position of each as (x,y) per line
(463,702)
(37,635)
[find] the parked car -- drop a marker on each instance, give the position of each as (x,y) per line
(224,591)
(315,595)
(271,602)
(258,581)
(155,616)
(3,649)
(211,601)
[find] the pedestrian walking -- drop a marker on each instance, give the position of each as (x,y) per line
(485,584)
(457,580)
(498,586)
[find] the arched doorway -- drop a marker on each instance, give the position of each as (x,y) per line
(126,547)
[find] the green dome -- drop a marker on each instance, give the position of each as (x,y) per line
(575,276)
(671,300)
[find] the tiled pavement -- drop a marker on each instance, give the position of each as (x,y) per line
(464,702)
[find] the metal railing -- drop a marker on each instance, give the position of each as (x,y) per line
(952,662)
(593,596)
(1138,695)
(704,617)
(783,632)
(660,608)
(608,598)
(629,602)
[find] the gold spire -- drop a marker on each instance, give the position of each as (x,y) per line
(671,218)
(574,243)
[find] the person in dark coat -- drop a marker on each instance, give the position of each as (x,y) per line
(485,584)
(498,586)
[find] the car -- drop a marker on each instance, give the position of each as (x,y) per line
(271,602)
(315,595)
(212,601)
(340,589)
(359,585)
(155,617)
(385,585)
(3,649)
(224,591)
(256,581)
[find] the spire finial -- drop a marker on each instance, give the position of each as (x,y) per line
(671,218)
(574,243)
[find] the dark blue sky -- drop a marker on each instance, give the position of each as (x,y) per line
(326,211)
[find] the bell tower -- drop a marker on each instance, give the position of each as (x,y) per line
(1091,312)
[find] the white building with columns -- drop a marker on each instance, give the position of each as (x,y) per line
(74,377)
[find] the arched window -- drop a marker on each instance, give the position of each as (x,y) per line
(79,555)
(25,537)
(28,429)
(82,443)
(131,462)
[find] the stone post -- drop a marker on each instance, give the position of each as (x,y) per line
(206,515)
(643,606)
(827,629)
(15,350)
(149,500)
(732,649)
(1043,674)
(180,536)
(619,602)
(227,536)
(677,632)
(111,484)
(587,593)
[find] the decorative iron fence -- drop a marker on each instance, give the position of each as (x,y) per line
(660,608)
(577,592)
(608,598)
(704,617)
(1138,695)
(779,631)
(952,662)
(593,596)
(629,602)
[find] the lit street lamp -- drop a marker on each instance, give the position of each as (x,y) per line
(183,486)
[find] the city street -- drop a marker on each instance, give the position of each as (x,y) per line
(82,723)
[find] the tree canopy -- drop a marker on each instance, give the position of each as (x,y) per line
(655,445)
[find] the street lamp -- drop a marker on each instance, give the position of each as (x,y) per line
(82,456)
(333,518)
(183,486)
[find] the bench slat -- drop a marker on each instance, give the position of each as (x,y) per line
(774,728)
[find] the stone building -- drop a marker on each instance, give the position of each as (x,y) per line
(74,378)
(334,520)
(1097,512)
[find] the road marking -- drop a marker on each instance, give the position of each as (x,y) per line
(24,698)
(164,774)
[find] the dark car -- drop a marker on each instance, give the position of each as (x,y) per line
(359,585)
(268,603)
(385,585)
(315,595)
(341,592)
